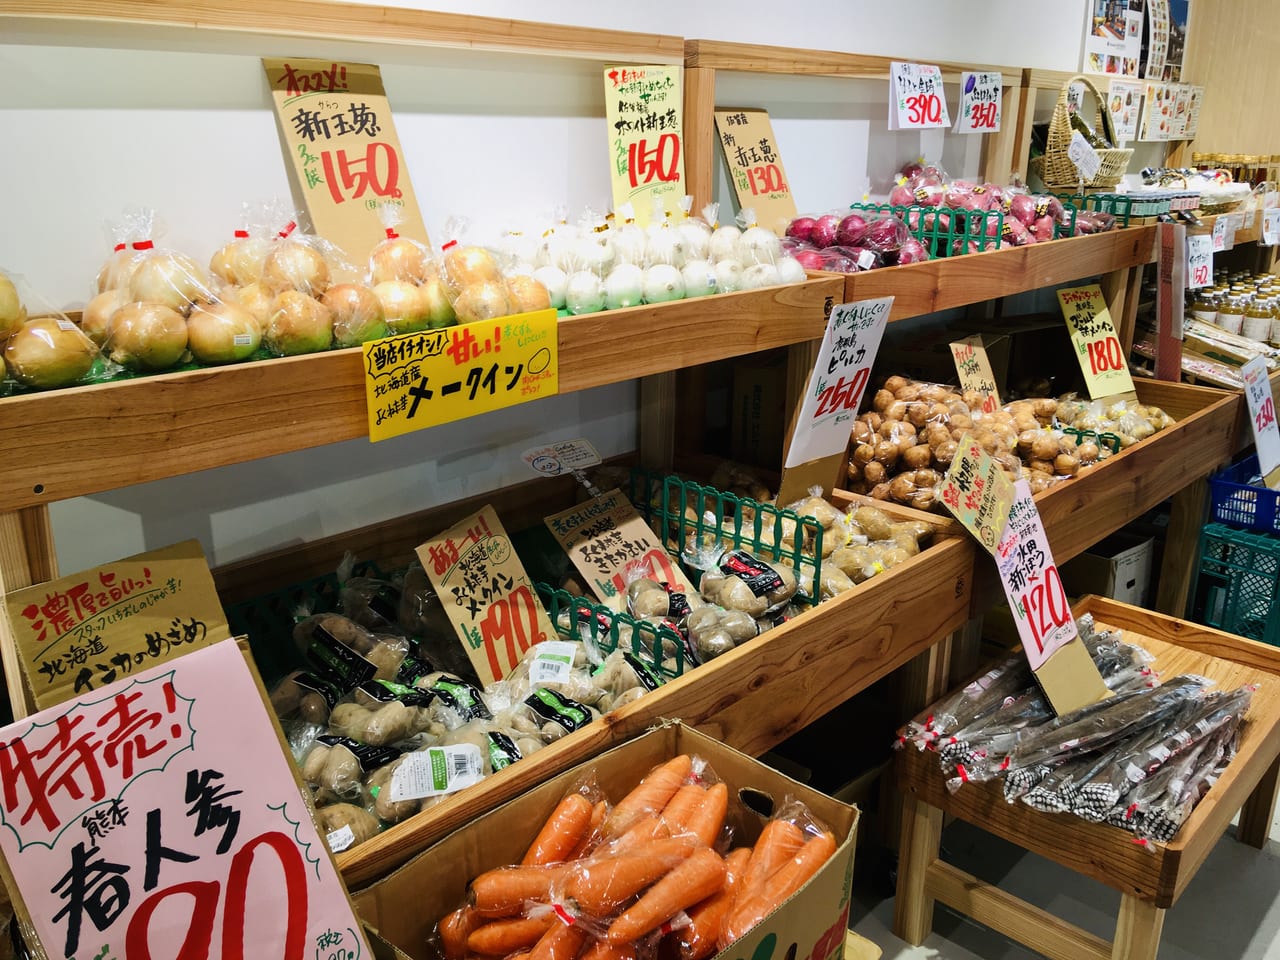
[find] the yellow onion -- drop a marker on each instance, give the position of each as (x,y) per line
(295,266)
(98,313)
(400,259)
(49,352)
(256,298)
(118,269)
(146,336)
(222,332)
(483,301)
(436,302)
(171,279)
(12,314)
(467,267)
(527,294)
(298,324)
(403,306)
(241,261)
(357,314)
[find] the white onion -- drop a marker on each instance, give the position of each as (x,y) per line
(630,244)
(666,246)
(222,332)
(662,282)
(760,275)
(584,293)
(146,336)
(295,266)
(555,280)
(403,306)
(758,245)
(12,314)
(357,314)
(483,301)
(241,261)
(724,243)
(517,247)
(554,248)
(118,269)
(699,278)
(299,324)
(594,251)
(624,286)
(49,352)
(172,279)
(728,275)
(696,237)
(98,312)
(400,258)
(790,270)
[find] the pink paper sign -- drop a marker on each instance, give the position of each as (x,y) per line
(157,817)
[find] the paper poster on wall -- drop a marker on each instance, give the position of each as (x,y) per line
(1157,112)
(1157,43)
(1194,99)
(1113,37)
(159,817)
(1124,102)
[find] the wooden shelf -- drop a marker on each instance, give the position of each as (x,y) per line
(324,20)
(759,58)
(172,424)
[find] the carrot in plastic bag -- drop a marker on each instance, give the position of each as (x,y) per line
(695,879)
(681,806)
(651,794)
(502,892)
(604,950)
(560,942)
(600,886)
(454,929)
(592,836)
(707,819)
(698,940)
(502,937)
(645,830)
(789,878)
(779,841)
(567,826)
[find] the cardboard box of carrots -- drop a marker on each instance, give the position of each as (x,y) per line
(671,846)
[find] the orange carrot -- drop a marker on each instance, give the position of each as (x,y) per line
(790,877)
(779,841)
(502,892)
(698,940)
(643,831)
(693,880)
(707,820)
(651,794)
(677,811)
(560,942)
(454,929)
(604,950)
(562,832)
(602,885)
(503,937)
(590,838)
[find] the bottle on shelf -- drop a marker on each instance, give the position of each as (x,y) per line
(1257,320)
(1231,314)
(1086,131)
(1204,307)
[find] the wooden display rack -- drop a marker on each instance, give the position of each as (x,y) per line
(1150,879)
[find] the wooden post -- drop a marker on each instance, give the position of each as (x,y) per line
(966,652)
(26,556)
(998,149)
(1178,568)
(1024,119)
(700,144)
(657,421)
(921,843)
(1137,930)
(1259,810)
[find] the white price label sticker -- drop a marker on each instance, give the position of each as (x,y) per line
(838,380)
(1220,234)
(1262,414)
(1271,226)
(1199,261)
(436,771)
(980,102)
(552,662)
(340,839)
(1086,159)
(916,97)
(1031,581)
(567,456)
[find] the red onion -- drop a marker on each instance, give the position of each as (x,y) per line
(811,259)
(901,196)
(886,234)
(824,230)
(912,251)
(911,168)
(851,230)
(801,228)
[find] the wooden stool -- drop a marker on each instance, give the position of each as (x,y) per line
(1151,878)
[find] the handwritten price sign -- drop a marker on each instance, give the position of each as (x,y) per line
(1098,349)
(755,167)
(974,370)
(916,98)
(1200,259)
(1262,416)
(839,379)
(977,492)
(131,836)
(1271,224)
(418,380)
(644,108)
(979,102)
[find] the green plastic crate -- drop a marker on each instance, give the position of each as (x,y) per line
(1119,205)
(969,226)
(610,630)
(1236,587)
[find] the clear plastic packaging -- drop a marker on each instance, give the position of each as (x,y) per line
(127,248)
(397,257)
(39,346)
(241,260)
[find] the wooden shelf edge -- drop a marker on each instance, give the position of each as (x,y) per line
(761,58)
(329,20)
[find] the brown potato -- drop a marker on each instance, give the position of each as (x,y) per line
(1041,466)
(873,421)
(378,789)
(887,452)
(879,492)
(945,452)
(875,523)
(913,458)
(896,383)
(874,472)
(331,819)
(902,489)
(1045,447)
(927,477)
(882,400)
(864,453)
(896,410)
(860,432)
(1065,465)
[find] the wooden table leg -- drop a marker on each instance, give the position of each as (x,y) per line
(1259,810)
(921,843)
(966,652)
(1178,569)
(26,556)
(1137,930)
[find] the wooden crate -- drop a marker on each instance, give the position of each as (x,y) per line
(1150,878)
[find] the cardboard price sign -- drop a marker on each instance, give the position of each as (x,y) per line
(89,629)
(345,157)
(418,380)
(980,101)
(127,835)
(1262,418)
(486,593)
(645,109)
(567,456)
(755,167)
(1200,259)
(978,493)
(610,545)
(974,370)
(916,97)
(1102,359)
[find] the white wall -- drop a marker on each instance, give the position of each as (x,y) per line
(104,118)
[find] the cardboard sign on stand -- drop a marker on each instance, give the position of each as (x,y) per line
(345,158)
(819,434)
(973,367)
(1102,358)
(1262,419)
(755,166)
(644,109)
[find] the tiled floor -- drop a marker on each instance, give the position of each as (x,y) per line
(1230,911)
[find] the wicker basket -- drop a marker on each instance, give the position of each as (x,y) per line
(1055,167)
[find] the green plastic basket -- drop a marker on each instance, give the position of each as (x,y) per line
(609,630)
(683,512)
(1236,587)
(1119,205)
(939,238)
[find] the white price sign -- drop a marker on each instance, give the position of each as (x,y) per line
(1220,234)
(1084,156)
(1271,226)
(567,456)
(1199,261)
(916,98)
(979,102)
(839,379)
(1262,417)
(1031,581)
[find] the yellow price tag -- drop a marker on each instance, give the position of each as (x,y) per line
(418,380)
(644,108)
(1102,359)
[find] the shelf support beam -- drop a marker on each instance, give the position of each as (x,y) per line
(27,557)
